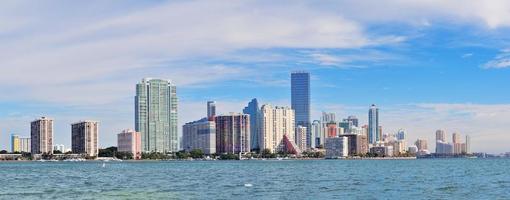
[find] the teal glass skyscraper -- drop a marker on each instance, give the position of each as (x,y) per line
(373,125)
(156,115)
(300,100)
(253,109)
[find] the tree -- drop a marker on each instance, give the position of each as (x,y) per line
(196,153)
(182,155)
(108,152)
(57,152)
(3,152)
(229,156)
(266,153)
(124,155)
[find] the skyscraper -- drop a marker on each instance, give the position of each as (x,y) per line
(15,144)
(201,135)
(373,125)
(211,109)
(401,134)
(455,138)
(276,122)
(156,115)
(468,144)
(300,98)
(24,145)
(421,144)
(253,110)
(301,137)
(84,137)
(441,135)
(354,120)
(233,133)
(41,132)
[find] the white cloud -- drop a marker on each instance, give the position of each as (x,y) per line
(502,60)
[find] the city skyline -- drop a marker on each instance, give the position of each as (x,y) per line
(443,71)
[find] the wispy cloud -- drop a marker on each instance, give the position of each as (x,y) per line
(502,60)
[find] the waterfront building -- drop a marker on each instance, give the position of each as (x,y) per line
(421,144)
(468,144)
(318,133)
(382,151)
(130,141)
(337,147)
(401,134)
(156,115)
(443,147)
(331,130)
(441,135)
(211,109)
(412,150)
(301,137)
(399,147)
(59,147)
(365,130)
(353,120)
(357,144)
(300,100)
(84,136)
(233,133)
(201,135)
(456,138)
(374,134)
(346,126)
(253,110)
(328,117)
(25,145)
(41,134)
(275,122)
(15,143)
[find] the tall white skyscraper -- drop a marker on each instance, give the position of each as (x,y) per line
(373,125)
(156,115)
(275,123)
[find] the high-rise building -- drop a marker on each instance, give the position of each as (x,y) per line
(301,137)
(211,109)
(59,147)
(233,133)
(421,144)
(331,130)
(84,136)
(401,134)
(346,126)
(441,135)
(468,144)
(337,147)
(317,133)
(443,147)
(41,132)
(15,143)
(275,122)
(300,98)
(456,138)
(130,141)
(156,115)
(373,125)
(253,110)
(328,117)
(24,145)
(354,120)
(357,144)
(201,135)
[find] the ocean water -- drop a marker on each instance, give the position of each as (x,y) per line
(288,179)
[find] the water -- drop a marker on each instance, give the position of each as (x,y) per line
(318,179)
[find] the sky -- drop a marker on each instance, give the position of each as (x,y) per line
(427,64)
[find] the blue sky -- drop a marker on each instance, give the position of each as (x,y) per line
(427,64)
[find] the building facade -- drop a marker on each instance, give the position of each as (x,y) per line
(201,135)
(156,115)
(25,145)
(130,141)
(318,134)
(59,147)
(211,109)
(373,125)
(84,136)
(300,100)
(301,137)
(15,146)
(337,147)
(421,144)
(275,122)
(41,134)
(253,110)
(232,133)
